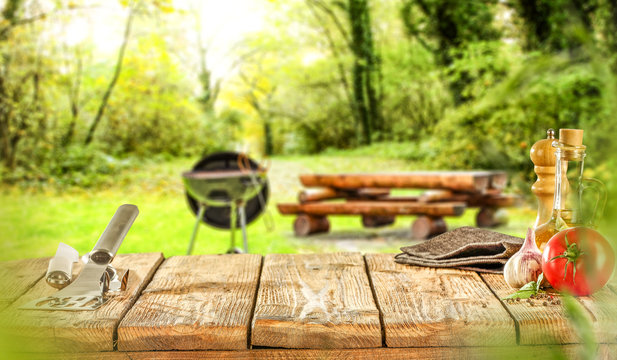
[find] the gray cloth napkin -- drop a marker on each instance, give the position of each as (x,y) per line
(465,248)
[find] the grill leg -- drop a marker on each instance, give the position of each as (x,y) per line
(200,215)
(243,224)
(232,227)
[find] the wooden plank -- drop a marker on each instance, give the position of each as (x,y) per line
(77,331)
(374,208)
(481,353)
(17,276)
(194,303)
(439,353)
(537,324)
(422,306)
(474,181)
(108,355)
(603,306)
(315,301)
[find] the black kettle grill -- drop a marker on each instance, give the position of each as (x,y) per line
(226,190)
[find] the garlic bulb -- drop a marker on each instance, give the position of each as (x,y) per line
(526,265)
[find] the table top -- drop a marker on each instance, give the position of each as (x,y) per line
(338,304)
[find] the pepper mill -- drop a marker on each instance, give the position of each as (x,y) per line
(542,155)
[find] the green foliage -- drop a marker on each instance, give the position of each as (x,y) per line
(497,130)
(72,166)
(414,98)
(556,25)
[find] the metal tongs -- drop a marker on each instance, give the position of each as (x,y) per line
(88,290)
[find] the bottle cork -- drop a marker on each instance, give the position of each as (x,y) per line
(573,137)
(542,155)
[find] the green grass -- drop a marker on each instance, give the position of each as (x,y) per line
(32,223)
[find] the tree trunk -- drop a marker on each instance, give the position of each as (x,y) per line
(268,142)
(365,67)
(74,104)
(372,73)
(114,80)
(360,101)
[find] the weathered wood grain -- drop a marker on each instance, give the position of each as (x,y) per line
(603,306)
(77,331)
(423,306)
(437,353)
(17,276)
(603,351)
(194,303)
(107,355)
(315,301)
(537,324)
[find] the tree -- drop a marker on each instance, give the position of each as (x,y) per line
(447,27)
(364,99)
(132,7)
(20,83)
(556,25)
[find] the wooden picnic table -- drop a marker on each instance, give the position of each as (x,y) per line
(369,196)
(314,306)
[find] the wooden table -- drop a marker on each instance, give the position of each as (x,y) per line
(315,306)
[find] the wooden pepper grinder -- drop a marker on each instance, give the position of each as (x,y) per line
(542,155)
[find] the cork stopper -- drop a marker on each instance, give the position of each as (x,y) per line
(572,137)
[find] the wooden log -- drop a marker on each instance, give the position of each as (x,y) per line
(374,221)
(472,200)
(498,180)
(77,331)
(423,306)
(314,195)
(194,303)
(538,324)
(18,276)
(315,301)
(425,227)
(496,201)
(374,208)
(489,217)
(306,225)
(462,181)
(438,195)
(289,209)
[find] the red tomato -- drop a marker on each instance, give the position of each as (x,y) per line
(578,260)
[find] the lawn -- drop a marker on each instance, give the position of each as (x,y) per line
(33,222)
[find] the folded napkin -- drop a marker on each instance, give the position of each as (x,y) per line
(465,248)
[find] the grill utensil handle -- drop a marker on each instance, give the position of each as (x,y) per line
(60,269)
(108,244)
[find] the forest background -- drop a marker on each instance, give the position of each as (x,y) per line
(94,92)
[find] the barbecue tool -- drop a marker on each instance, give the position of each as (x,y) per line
(222,188)
(87,291)
(60,269)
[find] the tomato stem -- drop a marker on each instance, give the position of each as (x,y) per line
(571,254)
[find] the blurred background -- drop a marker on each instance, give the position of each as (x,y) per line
(107,102)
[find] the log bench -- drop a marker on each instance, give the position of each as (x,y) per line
(298,306)
(369,195)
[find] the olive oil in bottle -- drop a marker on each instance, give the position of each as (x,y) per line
(569,210)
